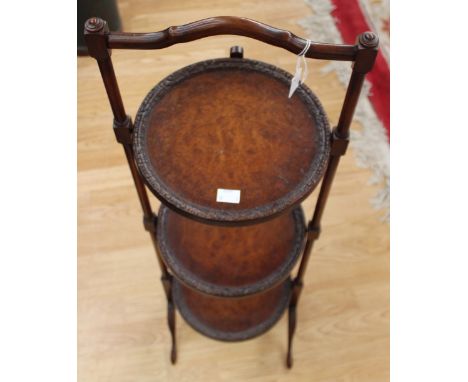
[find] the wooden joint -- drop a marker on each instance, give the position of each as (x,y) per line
(339,145)
(367,46)
(166,281)
(96,33)
(236,52)
(150,223)
(123,131)
(297,284)
(313,232)
(296,291)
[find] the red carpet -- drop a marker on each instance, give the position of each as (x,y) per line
(351,20)
(338,22)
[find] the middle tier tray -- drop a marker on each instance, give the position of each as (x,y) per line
(231,261)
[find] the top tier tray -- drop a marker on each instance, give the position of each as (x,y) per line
(229,124)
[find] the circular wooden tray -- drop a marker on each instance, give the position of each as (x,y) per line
(229,124)
(232,319)
(231,261)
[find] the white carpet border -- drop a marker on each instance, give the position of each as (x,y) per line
(370,145)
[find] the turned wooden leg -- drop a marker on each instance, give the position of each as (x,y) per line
(292,318)
(167,284)
(172,328)
(291,330)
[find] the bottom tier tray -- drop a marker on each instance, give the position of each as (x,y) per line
(232,319)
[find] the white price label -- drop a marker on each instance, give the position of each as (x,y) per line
(228,196)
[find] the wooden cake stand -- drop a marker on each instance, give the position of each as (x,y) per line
(231,157)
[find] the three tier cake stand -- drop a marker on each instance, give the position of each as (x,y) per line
(231,157)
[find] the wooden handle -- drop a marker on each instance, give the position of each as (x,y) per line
(229,25)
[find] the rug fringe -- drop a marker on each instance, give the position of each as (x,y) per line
(370,145)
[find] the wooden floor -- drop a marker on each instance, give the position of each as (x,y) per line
(343,328)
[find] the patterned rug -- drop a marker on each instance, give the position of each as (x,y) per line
(340,21)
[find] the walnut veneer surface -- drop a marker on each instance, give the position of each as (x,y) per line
(231,261)
(229,124)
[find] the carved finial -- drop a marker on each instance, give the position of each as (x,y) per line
(94,24)
(369,39)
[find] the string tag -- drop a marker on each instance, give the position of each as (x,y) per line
(301,70)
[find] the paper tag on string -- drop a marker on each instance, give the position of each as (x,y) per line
(295,81)
(301,73)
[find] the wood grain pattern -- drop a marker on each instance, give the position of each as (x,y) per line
(342,332)
(230,261)
(229,124)
(232,319)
